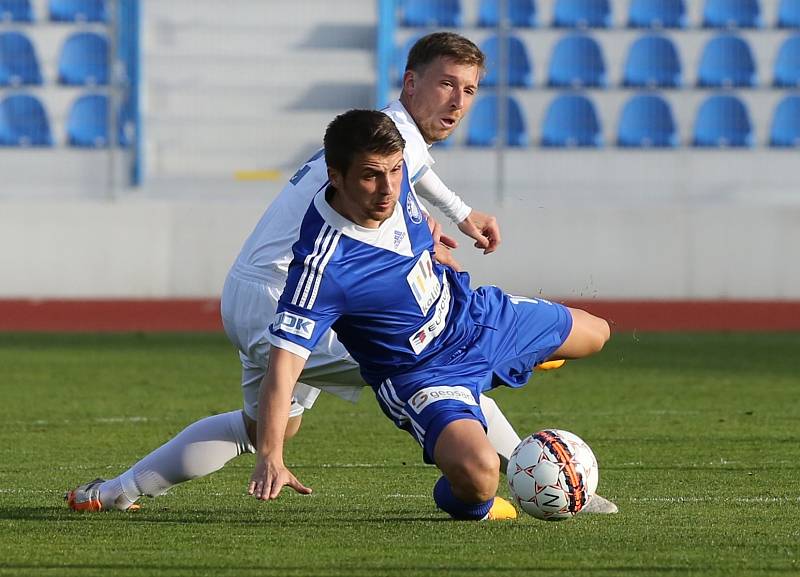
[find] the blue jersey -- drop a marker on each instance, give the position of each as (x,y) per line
(394,308)
(424,340)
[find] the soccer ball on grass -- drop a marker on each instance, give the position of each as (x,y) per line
(552,474)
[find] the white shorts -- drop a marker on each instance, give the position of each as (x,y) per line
(248,307)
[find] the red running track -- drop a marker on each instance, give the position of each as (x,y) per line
(203,315)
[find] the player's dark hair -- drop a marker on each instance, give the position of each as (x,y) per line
(444,44)
(357,132)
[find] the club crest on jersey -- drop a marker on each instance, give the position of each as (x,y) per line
(294,324)
(430,395)
(414,212)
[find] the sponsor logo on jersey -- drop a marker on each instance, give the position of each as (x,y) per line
(414,212)
(399,235)
(424,283)
(294,324)
(430,395)
(433,328)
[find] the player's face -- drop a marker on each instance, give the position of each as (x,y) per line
(368,193)
(439,96)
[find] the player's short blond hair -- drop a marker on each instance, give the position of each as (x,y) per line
(444,44)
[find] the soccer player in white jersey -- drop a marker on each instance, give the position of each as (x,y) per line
(439,86)
(429,357)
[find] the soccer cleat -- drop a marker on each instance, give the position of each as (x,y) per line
(599,505)
(87,497)
(550,365)
(501,510)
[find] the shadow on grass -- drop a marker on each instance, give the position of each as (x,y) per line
(278,518)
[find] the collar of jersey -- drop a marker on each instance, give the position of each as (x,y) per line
(357,232)
(397,107)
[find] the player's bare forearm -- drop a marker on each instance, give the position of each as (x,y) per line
(270,474)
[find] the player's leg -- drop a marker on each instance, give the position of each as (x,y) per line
(588,336)
(469,465)
(468,461)
(208,444)
(499,431)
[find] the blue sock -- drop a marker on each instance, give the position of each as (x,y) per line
(458,509)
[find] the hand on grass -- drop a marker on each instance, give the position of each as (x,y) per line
(269,477)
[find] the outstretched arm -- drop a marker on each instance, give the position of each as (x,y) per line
(270,474)
(480,226)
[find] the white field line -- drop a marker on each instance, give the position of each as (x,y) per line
(684,499)
(712,499)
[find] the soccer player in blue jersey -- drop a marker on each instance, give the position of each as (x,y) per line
(364,244)
(439,87)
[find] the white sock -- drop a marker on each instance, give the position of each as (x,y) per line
(200,449)
(501,434)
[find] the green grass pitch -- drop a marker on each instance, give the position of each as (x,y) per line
(697,435)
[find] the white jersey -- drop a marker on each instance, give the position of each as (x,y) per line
(268,251)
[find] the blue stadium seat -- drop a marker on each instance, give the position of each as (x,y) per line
(571,120)
(787,63)
(582,14)
(84,60)
(520,69)
(723,121)
(521,13)
(423,13)
(16,11)
(23,122)
(785,131)
(482,129)
(647,121)
(657,14)
(732,14)
(727,61)
(789,14)
(577,61)
(78,11)
(652,61)
(87,123)
(18,62)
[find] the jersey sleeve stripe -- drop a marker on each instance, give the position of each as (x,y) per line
(420,173)
(304,276)
(309,265)
(316,266)
(318,279)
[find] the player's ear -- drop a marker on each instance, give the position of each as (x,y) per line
(409,82)
(336,178)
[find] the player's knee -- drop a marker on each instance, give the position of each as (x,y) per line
(293,426)
(601,333)
(475,479)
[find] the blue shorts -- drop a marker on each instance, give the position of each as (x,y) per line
(512,336)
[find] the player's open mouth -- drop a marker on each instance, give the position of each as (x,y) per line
(448,122)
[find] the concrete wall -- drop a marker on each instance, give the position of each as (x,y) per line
(674,228)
